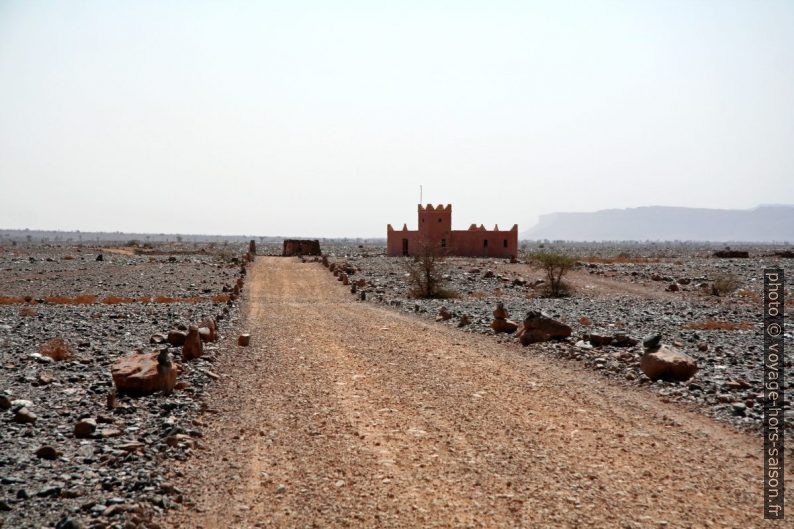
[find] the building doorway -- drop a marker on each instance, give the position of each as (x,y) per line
(405,246)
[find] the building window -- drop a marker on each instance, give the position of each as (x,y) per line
(505,243)
(439,220)
(485,243)
(443,243)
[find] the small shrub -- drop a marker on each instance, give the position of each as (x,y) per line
(585,321)
(56,349)
(27,312)
(425,272)
(556,267)
(725,284)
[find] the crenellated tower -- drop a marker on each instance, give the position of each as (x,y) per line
(435,223)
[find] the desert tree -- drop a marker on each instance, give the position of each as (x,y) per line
(555,266)
(426,270)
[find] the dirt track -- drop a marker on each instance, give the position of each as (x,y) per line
(344,414)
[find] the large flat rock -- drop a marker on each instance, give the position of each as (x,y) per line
(140,373)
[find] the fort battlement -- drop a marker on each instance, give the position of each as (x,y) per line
(440,207)
(435,228)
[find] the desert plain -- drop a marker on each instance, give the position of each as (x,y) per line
(357,404)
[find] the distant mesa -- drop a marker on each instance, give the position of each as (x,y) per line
(773,223)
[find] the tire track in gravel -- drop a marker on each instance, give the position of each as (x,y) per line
(346,414)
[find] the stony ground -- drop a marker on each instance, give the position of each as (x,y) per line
(115,476)
(350,414)
(632,297)
(346,413)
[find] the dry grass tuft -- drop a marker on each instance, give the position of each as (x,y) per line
(27,312)
(84,300)
(78,300)
(115,300)
(714,325)
(166,299)
(725,284)
(584,320)
(56,349)
(194,299)
(68,258)
(11,301)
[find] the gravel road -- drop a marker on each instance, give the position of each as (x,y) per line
(349,414)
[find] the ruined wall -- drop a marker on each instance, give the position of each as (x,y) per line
(301,247)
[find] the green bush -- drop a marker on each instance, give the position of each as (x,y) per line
(555,265)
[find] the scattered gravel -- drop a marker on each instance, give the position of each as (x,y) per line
(610,298)
(67,458)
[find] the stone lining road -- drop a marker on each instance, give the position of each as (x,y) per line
(347,414)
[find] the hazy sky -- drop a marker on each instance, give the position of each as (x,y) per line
(323,118)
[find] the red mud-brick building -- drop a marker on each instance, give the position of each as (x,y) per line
(435,227)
